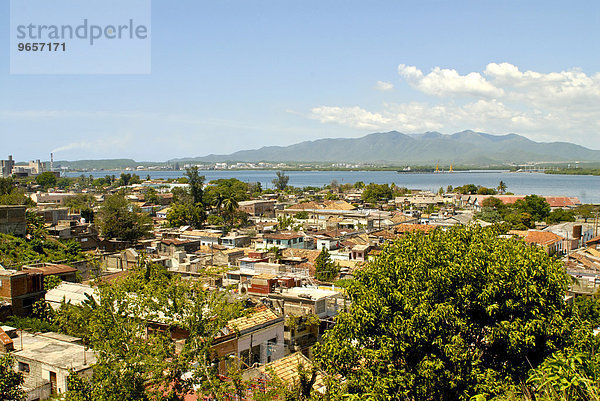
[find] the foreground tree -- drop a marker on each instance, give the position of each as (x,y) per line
(136,362)
(447,316)
(10,381)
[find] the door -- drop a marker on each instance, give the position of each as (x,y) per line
(53,382)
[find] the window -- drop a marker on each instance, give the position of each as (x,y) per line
(23,367)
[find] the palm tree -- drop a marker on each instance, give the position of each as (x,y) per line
(230,205)
(219,198)
(502,187)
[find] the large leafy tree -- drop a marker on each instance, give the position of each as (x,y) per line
(374,193)
(10,381)
(136,362)
(186,214)
(536,206)
(46,179)
(447,316)
(120,219)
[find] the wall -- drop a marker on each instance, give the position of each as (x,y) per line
(12,220)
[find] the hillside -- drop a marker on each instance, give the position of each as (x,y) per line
(464,148)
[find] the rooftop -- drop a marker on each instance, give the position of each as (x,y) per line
(258,318)
(53,352)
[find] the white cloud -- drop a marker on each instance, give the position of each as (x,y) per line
(444,82)
(384,86)
(550,106)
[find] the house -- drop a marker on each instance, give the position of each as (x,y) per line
(327,240)
(47,359)
(234,240)
(53,215)
(162,213)
(301,301)
(206,237)
(171,246)
(252,258)
(71,293)
(83,233)
(21,289)
(258,207)
(576,234)
(360,252)
(13,221)
(555,202)
(58,198)
(253,339)
(282,240)
(286,370)
(64,272)
(550,242)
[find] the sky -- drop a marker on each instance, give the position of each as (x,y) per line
(231,75)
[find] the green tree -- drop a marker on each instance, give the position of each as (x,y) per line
(374,193)
(447,316)
(325,268)
(186,214)
(10,381)
(230,205)
(536,206)
(51,282)
(469,189)
(502,187)
(281,181)
(151,196)
(46,179)
(560,215)
(196,183)
(131,366)
(119,219)
(10,194)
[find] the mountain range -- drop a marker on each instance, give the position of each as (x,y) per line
(461,148)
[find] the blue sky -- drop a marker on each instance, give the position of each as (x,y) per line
(232,75)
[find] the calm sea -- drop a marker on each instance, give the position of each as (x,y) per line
(586,188)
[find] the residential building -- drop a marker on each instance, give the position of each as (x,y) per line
(13,220)
(64,272)
(550,242)
(254,339)
(53,215)
(282,240)
(21,289)
(235,240)
(258,207)
(47,359)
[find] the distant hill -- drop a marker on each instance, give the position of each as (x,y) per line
(462,148)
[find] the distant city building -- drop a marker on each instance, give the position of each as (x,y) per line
(6,166)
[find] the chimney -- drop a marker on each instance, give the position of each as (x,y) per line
(9,157)
(51,161)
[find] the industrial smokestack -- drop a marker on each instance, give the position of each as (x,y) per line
(51,161)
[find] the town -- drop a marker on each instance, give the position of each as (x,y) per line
(223,289)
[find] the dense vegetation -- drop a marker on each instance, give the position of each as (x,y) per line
(15,252)
(453,315)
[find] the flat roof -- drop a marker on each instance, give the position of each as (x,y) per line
(54,352)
